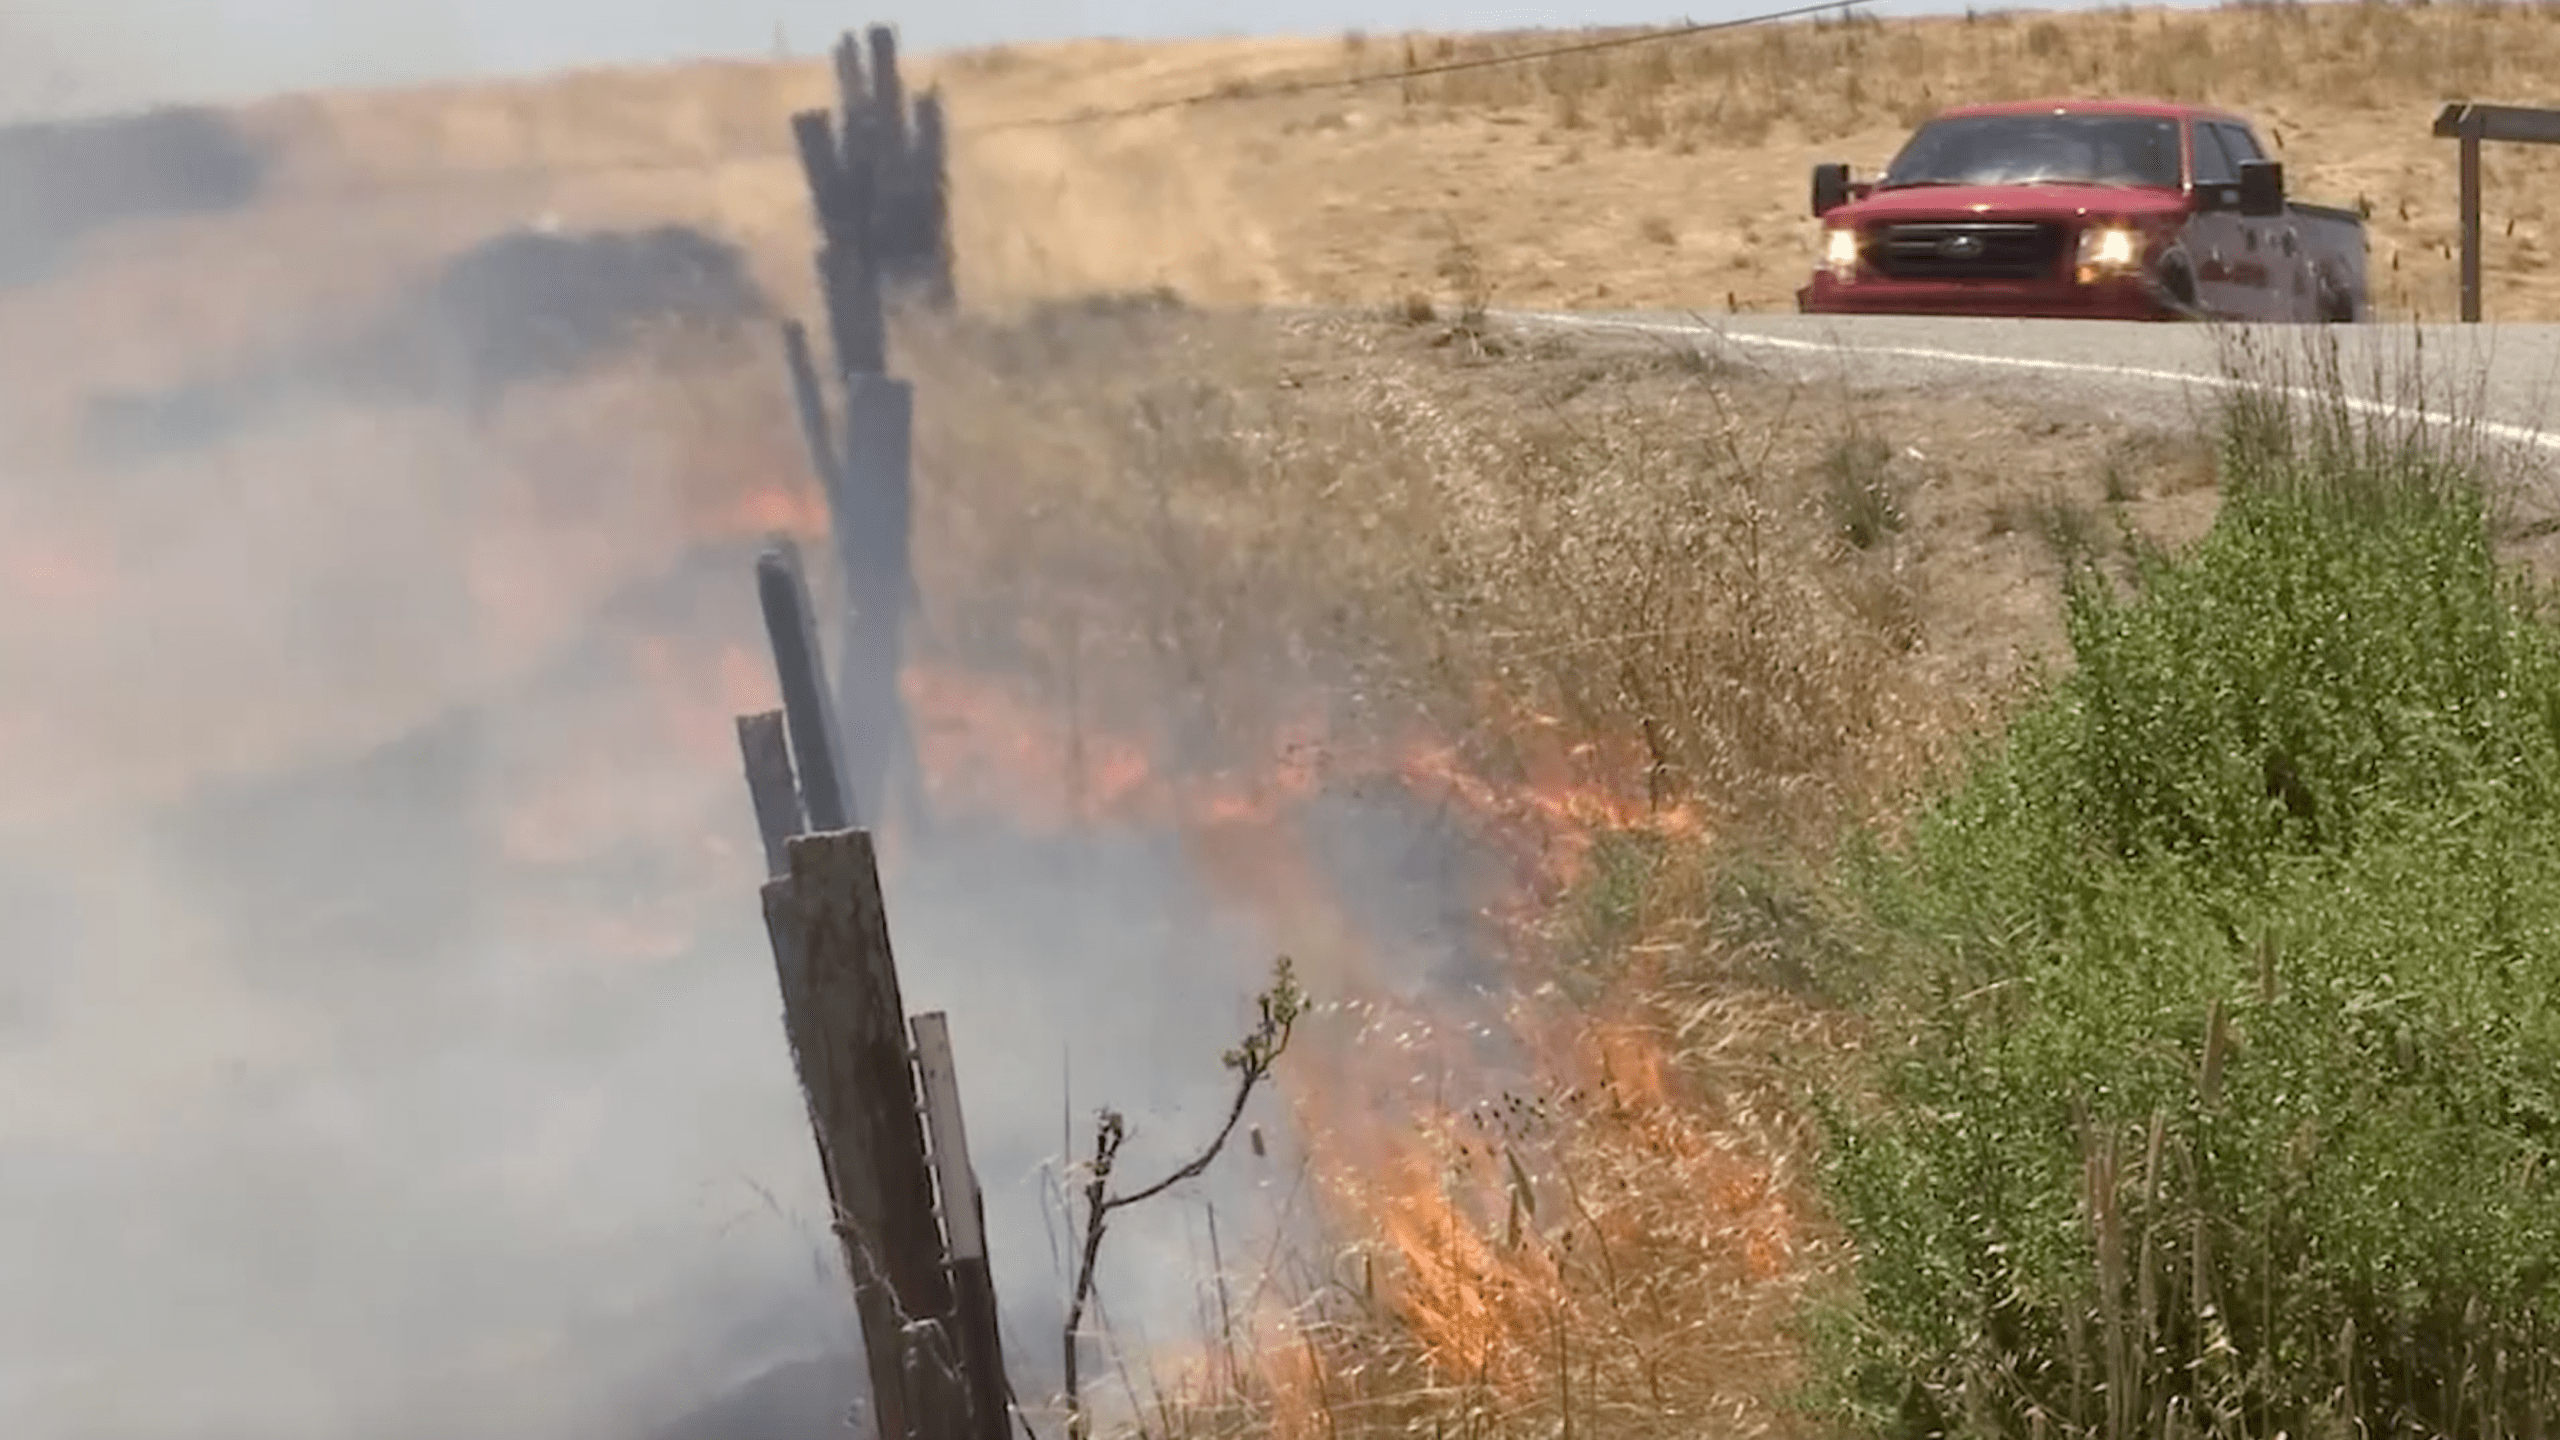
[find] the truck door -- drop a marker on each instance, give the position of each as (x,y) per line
(2215,234)
(2270,267)
(2251,260)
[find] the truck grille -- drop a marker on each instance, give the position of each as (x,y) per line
(1966,250)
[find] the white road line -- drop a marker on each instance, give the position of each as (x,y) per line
(2497,429)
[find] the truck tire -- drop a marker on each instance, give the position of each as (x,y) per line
(2178,289)
(2336,306)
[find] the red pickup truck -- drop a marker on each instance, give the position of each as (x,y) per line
(2127,210)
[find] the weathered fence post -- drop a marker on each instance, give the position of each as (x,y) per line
(765,747)
(2470,130)
(791,625)
(925,1305)
(895,1161)
(873,540)
(964,1221)
(843,1017)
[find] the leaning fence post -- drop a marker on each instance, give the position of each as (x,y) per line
(844,1017)
(808,707)
(925,1299)
(816,1062)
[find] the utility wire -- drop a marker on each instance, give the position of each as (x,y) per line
(374,188)
(1448,67)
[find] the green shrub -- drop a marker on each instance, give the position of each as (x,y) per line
(2218,1068)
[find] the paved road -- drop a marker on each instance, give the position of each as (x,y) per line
(2507,376)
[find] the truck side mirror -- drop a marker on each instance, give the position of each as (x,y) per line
(2261,188)
(1830,188)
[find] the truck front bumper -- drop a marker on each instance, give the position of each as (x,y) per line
(2115,297)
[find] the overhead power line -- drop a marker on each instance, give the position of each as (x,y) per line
(375,187)
(1231,94)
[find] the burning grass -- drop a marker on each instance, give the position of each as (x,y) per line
(1591,598)
(1616,596)
(1587,605)
(1614,584)
(1590,601)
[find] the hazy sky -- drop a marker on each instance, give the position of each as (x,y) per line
(172,49)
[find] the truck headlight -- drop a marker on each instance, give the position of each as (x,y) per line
(2106,249)
(1840,252)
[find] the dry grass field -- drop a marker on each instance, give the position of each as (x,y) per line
(1658,174)
(1668,174)
(1823,592)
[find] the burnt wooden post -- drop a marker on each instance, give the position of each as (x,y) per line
(964,1225)
(853,92)
(888,91)
(932,179)
(922,1286)
(2470,125)
(874,531)
(808,707)
(858,172)
(810,402)
(843,1017)
(924,1299)
(840,191)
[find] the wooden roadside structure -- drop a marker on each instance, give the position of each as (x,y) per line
(881,1087)
(2472,124)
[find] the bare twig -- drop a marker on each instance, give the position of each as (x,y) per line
(1251,1063)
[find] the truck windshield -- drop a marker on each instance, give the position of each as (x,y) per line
(2136,150)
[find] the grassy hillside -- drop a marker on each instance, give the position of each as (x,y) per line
(1665,174)
(1669,173)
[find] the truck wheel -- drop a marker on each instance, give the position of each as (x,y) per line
(2336,306)
(2178,284)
